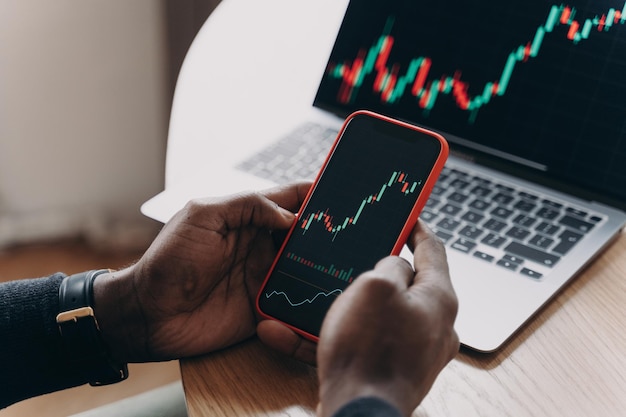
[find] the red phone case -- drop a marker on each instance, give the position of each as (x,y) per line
(411,219)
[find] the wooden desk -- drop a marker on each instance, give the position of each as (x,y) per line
(569,361)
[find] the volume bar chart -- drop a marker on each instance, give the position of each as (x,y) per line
(331,270)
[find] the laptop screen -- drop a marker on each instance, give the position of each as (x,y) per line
(535,86)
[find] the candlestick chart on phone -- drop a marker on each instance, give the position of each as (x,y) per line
(341,229)
(359,210)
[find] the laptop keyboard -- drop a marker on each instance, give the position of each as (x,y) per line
(298,155)
(504,224)
(496,222)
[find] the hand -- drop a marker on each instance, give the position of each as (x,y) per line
(193,291)
(391,333)
(388,335)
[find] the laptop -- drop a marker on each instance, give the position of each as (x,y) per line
(529,96)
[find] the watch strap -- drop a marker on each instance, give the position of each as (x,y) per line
(79,329)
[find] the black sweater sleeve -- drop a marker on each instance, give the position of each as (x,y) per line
(32,360)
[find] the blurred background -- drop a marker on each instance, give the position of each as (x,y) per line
(85,94)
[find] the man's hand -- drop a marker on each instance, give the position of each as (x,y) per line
(388,335)
(193,291)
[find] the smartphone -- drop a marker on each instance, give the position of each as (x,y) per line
(362,207)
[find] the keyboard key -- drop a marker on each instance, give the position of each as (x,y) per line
(548,213)
(427,216)
(575,223)
(576,212)
(530,273)
(541,241)
(480,205)
(481,181)
(463,245)
(266,173)
(495,225)
(448,224)
(457,197)
(513,258)
(437,190)
(458,173)
(493,240)
(528,196)
(568,240)
(508,265)
(502,199)
(459,184)
(471,232)
(501,212)
(484,256)
(547,228)
(552,204)
(480,191)
(450,209)
(505,188)
(432,203)
(444,236)
(282,165)
(536,255)
(472,217)
(304,172)
(443,177)
(524,220)
(517,233)
(524,205)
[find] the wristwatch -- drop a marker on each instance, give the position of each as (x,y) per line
(81,335)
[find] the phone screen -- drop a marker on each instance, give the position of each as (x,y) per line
(355,215)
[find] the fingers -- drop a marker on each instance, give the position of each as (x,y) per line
(273,209)
(287,199)
(289,196)
(392,268)
(425,243)
(283,200)
(432,277)
(284,340)
(429,257)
